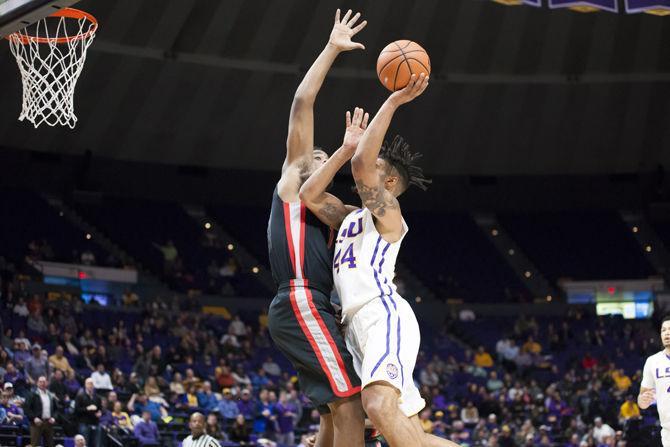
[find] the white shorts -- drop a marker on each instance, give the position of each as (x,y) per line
(665,437)
(383,337)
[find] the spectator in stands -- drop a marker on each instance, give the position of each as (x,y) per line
(621,380)
(139,403)
(246,405)
(130,298)
(151,387)
(20,308)
(287,414)
(121,419)
(67,322)
(207,400)
(87,257)
(86,340)
(146,431)
(240,432)
(79,441)
(459,433)
(213,428)
(589,362)
(21,352)
(157,361)
(224,378)
(170,255)
(41,412)
(428,376)
(629,410)
(265,414)
(531,346)
(494,383)
(59,361)
(229,269)
(12,413)
(241,377)
(69,343)
(101,379)
(36,323)
(271,367)
(176,385)
(36,365)
(501,346)
(237,327)
(189,400)
(483,359)
(470,415)
(229,341)
(601,431)
(58,388)
(13,376)
(466,315)
(72,384)
(87,410)
(424,420)
(13,398)
(228,407)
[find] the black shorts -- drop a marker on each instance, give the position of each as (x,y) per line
(303,326)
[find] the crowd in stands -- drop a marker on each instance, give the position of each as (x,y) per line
(138,375)
(521,393)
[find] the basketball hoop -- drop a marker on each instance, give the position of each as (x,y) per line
(50,55)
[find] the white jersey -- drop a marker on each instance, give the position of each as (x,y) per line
(364,263)
(656,376)
(201,441)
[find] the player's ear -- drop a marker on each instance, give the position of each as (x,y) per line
(391,182)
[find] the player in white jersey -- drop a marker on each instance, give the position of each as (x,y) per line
(655,385)
(382,332)
(198,437)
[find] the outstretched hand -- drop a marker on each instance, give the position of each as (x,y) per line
(416,86)
(344,30)
(356,126)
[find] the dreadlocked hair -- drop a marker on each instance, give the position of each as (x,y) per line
(398,155)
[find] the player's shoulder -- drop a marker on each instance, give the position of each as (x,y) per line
(656,357)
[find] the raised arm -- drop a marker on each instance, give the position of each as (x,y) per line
(300,140)
(370,183)
(328,208)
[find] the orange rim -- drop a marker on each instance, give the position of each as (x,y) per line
(69,13)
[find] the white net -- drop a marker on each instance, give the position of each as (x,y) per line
(51,55)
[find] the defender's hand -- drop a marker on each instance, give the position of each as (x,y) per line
(355,129)
(343,31)
(417,85)
(310,441)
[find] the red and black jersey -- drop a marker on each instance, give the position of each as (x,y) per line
(300,246)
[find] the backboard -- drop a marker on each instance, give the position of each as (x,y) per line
(17,14)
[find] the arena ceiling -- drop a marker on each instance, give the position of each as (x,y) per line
(515,90)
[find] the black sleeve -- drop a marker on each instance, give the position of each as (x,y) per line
(79,404)
(30,407)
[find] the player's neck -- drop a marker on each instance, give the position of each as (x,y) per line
(666,351)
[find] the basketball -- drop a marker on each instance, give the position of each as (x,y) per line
(398,61)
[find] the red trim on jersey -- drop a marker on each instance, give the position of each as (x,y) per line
(326,332)
(303,221)
(310,338)
(331,238)
(289,235)
(350,391)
